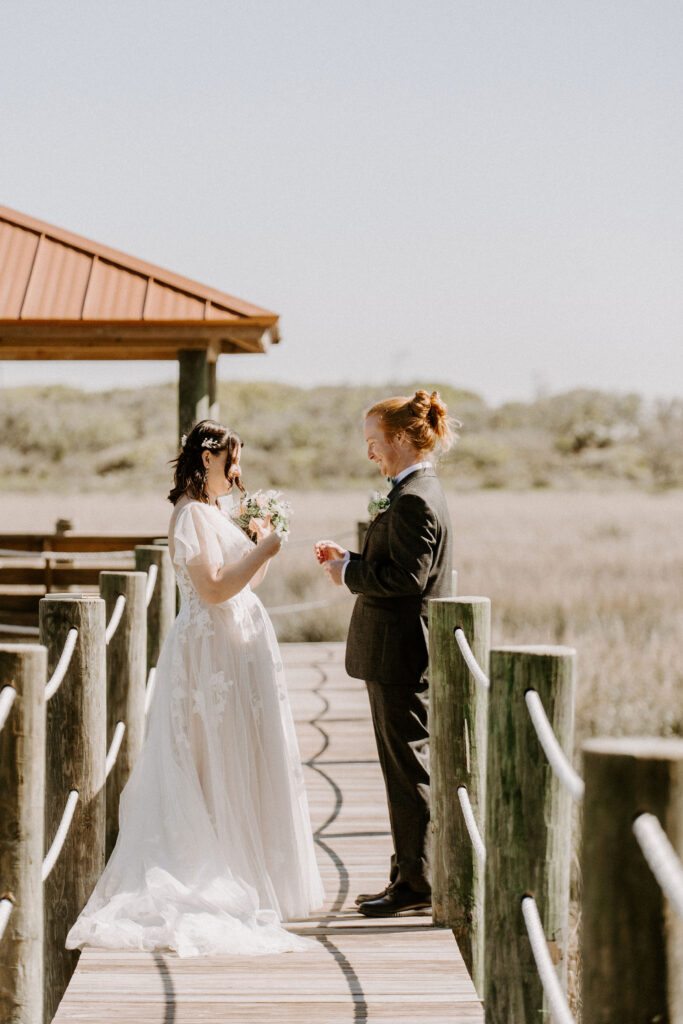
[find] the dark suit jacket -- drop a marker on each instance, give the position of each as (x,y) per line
(406,560)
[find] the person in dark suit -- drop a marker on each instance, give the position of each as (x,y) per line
(406,560)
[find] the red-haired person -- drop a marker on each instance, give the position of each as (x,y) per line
(405,561)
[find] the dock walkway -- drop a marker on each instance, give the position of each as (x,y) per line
(393,970)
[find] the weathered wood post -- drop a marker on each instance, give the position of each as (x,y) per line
(457,733)
(211,382)
(194,398)
(23,669)
(161,607)
(75,759)
(528,828)
(126,679)
(632,939)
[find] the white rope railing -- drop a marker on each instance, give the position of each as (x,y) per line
(539,947)
(67,556)
(661,857)
(7,695)
(55,680)
(20,630)
(557,758)
(305,606)
(114,747)
(58,841)
(471,662)
(152,574)
(471,825)
(6,906)
(149,690)
(113,623)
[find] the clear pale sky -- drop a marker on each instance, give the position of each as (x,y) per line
(484,193)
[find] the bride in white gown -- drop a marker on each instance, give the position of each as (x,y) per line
(215,846)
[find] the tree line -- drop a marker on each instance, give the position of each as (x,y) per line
(61,438)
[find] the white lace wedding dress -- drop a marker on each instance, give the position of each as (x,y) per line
(215,844)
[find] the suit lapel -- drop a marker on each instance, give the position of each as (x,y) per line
(392,495)
(418,474)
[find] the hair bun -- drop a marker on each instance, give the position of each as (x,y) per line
(430,408)
(438,411)
(420,403)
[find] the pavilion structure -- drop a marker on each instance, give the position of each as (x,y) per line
(65,297)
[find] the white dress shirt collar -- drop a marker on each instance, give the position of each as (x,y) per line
(411,469)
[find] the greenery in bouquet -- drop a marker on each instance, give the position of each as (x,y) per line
(260,505)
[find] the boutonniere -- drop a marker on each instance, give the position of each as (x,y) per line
(378,504)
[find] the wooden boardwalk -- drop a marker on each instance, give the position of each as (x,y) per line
(398,969)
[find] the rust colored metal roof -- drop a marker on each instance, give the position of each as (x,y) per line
(63,296)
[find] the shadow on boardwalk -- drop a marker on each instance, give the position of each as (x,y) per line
(363,970)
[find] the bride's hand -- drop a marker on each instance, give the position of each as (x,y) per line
(269,543)
(261,527)
(328,551)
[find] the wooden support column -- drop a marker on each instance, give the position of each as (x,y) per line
(193,389)
(212,354)
(528,828)
(161,607)
(126,680)
(632,937)
(23,668)
(214,412)
(75,760)
(457,729)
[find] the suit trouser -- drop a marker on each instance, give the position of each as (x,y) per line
(399,716)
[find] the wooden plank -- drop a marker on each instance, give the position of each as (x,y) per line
(328,705)
(72,541)
(19,603)
(61,575)
(360,969)
(326,742)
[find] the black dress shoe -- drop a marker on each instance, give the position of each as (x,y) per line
(364,897)
(396,900)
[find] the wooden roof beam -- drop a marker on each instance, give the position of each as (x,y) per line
(42,339)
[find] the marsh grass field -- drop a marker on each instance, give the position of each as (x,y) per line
(598,572)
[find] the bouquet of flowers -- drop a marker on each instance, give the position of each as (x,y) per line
(260,505)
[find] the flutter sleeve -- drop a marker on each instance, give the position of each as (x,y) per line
(195,538)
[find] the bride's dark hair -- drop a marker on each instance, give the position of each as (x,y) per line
(190,474)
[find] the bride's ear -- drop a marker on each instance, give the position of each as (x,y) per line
(205,459)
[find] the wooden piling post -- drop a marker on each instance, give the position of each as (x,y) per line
(126,681)
(632,939)
(194,397)
(528,828)
(457,732)
(75,759)
(22,796)
(161,608)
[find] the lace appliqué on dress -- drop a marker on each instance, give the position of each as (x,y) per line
(195,620)
(216,691)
